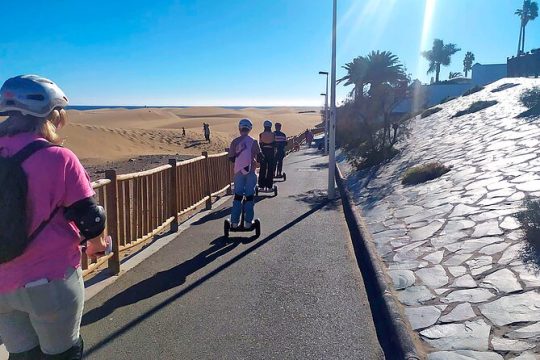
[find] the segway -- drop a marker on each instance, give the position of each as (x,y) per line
(259,190)
(256,225)
(282,176)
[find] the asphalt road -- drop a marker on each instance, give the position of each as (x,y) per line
(294,293)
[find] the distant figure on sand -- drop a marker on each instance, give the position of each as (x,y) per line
(183,131)
(47,209)
(281,143)
(206,129)
(244,151)
(267,141)
(309,137)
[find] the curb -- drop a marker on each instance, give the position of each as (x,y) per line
(397,338)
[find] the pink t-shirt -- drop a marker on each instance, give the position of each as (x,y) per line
(56,178)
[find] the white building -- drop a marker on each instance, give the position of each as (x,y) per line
(486,74)
(435,93)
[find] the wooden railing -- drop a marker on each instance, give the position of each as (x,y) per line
(300,139)
(141,205)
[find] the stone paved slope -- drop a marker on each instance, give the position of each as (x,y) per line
(452,245)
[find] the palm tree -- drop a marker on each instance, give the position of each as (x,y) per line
(468,62)
(376,69)
(383,68)
(440,54)
(356,71)
(454,75)
(528,13)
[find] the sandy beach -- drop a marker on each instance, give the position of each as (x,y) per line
(105,136)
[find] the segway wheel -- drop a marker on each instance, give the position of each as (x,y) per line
(227,228)
(275,190)
(257,225)
(256,191)
(284,177)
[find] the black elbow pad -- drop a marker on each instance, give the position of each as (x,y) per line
(88,216)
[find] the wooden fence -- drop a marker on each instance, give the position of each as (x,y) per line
(141,205)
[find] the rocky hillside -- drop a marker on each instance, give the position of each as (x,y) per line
(452,245)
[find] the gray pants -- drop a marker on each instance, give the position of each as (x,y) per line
(47,315)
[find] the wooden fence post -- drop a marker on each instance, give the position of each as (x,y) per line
(173,196)
(207,189)
(230,174)
(112,221)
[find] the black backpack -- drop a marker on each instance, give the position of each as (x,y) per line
(14,221)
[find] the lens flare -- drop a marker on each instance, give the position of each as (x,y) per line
(426,31)
(374,15)
(425,43)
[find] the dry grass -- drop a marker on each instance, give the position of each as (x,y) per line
(504,87)
(475,107)
(422,173)
(531,100)
(475,89)
(529,219)
(430,112)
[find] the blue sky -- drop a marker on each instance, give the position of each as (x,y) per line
(236,52)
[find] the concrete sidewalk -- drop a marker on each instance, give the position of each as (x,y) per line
(294,293)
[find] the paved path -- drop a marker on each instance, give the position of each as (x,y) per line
(294,293)
(453,245)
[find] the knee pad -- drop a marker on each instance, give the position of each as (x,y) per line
(238,197)
(250,198)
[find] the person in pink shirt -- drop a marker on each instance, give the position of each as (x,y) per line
(41,285)
(244,152)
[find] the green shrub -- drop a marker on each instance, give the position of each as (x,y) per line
(529,218)
(530,98)
(422,173)
(504,87)
(362,159)
(475,107)
(447,99)
(475,89)
(430,111)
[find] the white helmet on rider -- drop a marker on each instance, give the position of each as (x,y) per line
(31,95)
(267,124)
(245,124)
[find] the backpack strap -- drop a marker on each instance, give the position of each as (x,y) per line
(30,149)
(42,226)
(19,158)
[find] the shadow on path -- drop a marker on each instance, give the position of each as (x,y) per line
(315,197)
(225,211)
(160,282)
(174,277)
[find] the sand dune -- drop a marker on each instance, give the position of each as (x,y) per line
(116,134)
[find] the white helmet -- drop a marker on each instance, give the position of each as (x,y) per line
(245,124)
(267,124)
(31,95)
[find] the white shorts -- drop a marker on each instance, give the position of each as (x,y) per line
(47,315)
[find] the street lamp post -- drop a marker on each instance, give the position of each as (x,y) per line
(332,130)
(326,117)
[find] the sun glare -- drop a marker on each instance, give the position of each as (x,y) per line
(374,14)
(426,31)
(424,42)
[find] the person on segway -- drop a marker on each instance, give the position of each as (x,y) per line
(281,143)
(267,141)
(244,152)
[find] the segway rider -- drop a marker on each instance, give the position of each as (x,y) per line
(267,141)
(281,144)
(244,151)
(46,206)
